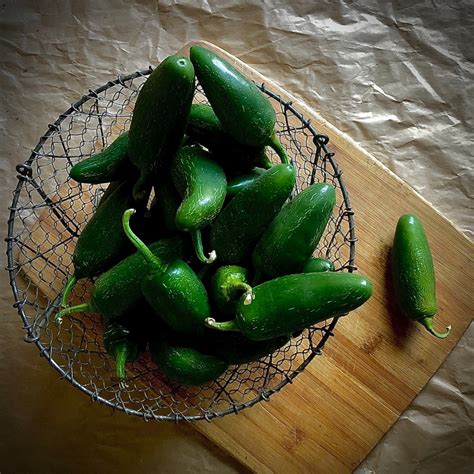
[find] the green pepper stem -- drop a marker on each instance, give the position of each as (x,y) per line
(73,309)
(197,242)
(235,288)
(142,187)
(224,326)
(428,323)
(148,255)
(67,290)
(278,147)
(121,357)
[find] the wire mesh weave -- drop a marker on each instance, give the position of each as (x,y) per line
(43,259)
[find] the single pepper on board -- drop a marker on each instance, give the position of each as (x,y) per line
(159,119)
(244,112)
(202,184)
(240,224)
(315,265)
(227,286)
(173,290)
(293,302)
(204,128)
(118,290)
(291,238)
(413,274)
(102,242)
(110,164)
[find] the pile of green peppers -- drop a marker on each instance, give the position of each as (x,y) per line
(198,254)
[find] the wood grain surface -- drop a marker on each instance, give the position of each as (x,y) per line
(337,410)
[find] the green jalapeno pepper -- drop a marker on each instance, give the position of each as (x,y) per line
(413,273)
(173,290)
(293,302)
(202,184)
(244,112)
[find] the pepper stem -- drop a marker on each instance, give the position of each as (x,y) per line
(142,187)
(278,147)
(240,287)
(139,244)
(67,290)
(197,242)
(428,323)
(224,326)
(73,309)
(121,357)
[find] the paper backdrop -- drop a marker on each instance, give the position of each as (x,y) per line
(395,76)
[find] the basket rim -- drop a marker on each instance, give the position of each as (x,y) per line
(24,173)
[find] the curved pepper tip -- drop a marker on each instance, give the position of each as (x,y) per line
(428,324)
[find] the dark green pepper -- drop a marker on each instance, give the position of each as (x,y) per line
(316,265)
(235,348)
(102,242)
(242,181)
(293,302)
(204,128)
(159,118)
(291,238)
(110,189)
(163,208)
(124,342)
(227,286)
(111,164)
(237,228)
(173,290)
(118,290)
(244,112)
(413,273)
(202,184)
(184,364)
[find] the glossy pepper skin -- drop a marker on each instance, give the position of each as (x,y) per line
(242,181)
(173,290)
(291,238)
(184,364)
(202,184)
(293,302)
(413,273)
(205,128)
(240,224)
(227,286)
(102,242)
(159,118)
(244,112)
(111,164)
(316,265)
(118,290)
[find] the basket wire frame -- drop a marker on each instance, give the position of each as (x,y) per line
(75,348)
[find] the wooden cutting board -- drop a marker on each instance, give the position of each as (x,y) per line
(337,410)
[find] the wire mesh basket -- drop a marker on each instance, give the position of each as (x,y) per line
(46,216)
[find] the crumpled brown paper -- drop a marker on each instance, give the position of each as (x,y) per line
(395,76)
